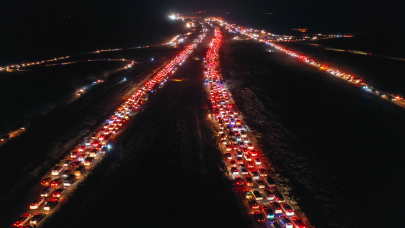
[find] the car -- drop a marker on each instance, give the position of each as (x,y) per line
(36,203)
(229,148)
(253,153)
(256,194)
(270,182)
(268,194)
(268,212)
(297,222)
(248,195)
(67,163)
(285,221)
(59,192)
(243,134)
(253,204)
(73,154)
(275,223)
(22,220)
(80,171)
(278,197)
(37,218)
(249,181)
(250,146)
(67,172)
(287,209)
(254,174)
(258,216)
(82,157)
(89,161)
(238,181)
(260,184)
(47,191)
(262,172)
(94,153)
(234,170)
(68,181)
(47,181)
(224,142)
(222,136)
(56,182)
(239,154)
(243,171)
(245,151)
(51,204)
(57,170)
(239,161)
(232,163)
(76,164)
(276,207)
(248,157)
(250,164)
(257,161)
(228,156)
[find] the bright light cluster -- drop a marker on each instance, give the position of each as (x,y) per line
(243,159)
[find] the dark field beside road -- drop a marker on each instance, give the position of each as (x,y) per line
(26,156)
(339,147)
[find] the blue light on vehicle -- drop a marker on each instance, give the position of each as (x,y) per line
(153,59)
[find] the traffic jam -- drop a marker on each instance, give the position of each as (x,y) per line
(397,99)
(247,166)
(66,175)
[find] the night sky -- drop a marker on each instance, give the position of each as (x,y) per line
(30,28)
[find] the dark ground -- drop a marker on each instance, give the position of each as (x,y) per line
(168,171)
(26,156)
(339,147)
(25,95)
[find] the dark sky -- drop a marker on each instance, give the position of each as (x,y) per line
(58,25)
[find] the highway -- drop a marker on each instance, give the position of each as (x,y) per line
(246,164)
(184,148)
(131,106)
